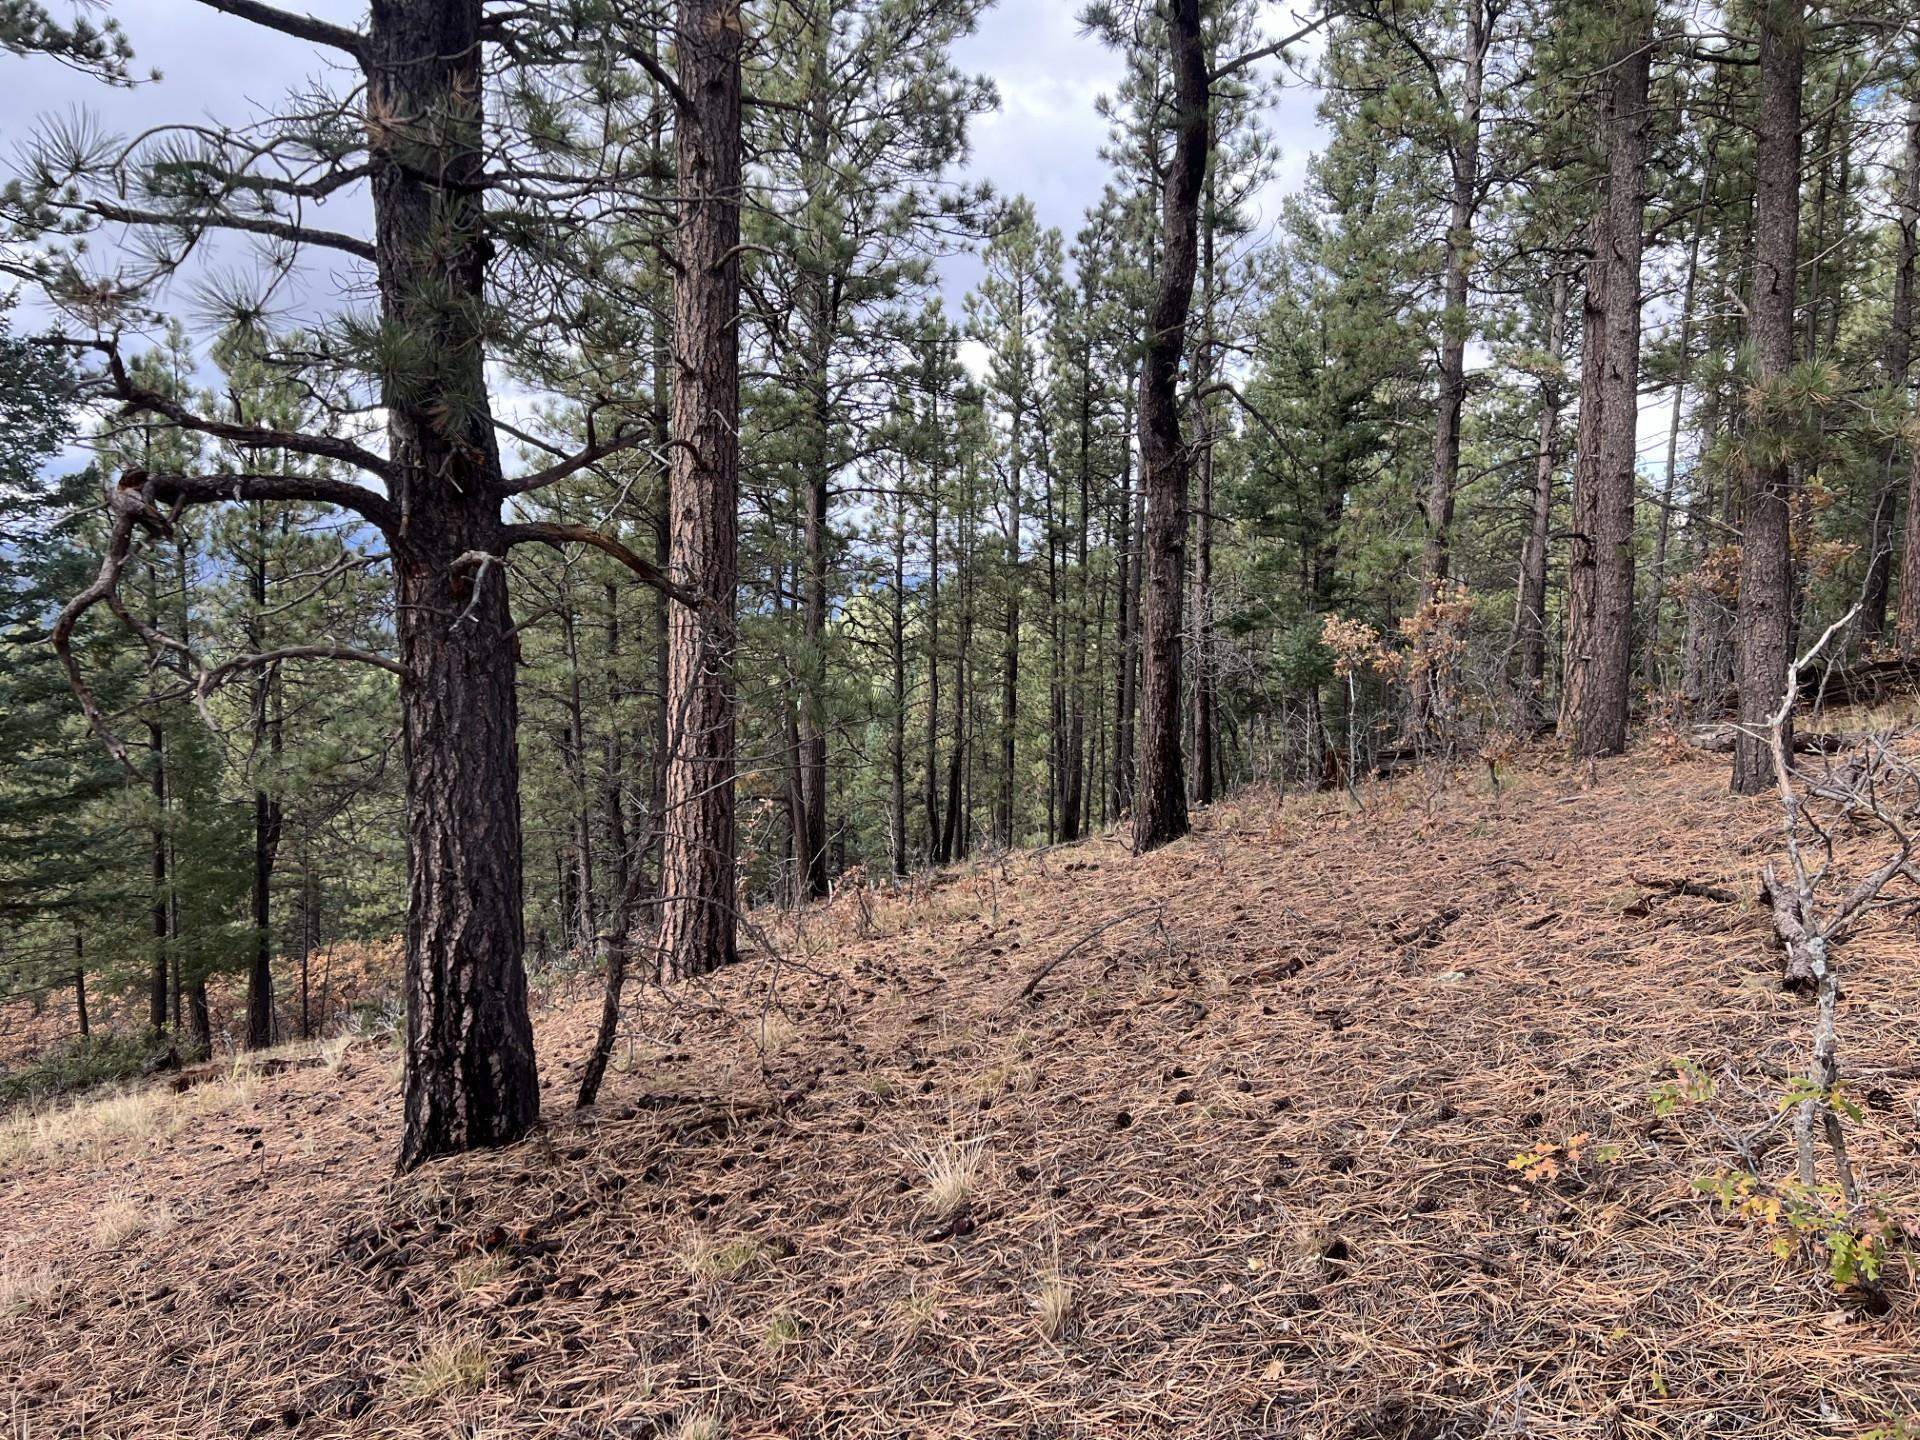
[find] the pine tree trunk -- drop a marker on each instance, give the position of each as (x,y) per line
(933,627)
(1530,611)
(1205,745)
(1899,368)
(158,969)
(1593,713)
(628,872)
(470,1075)
(1074,788)
(1677,412)
(697,860)
(1160,811)
(812,717)
(1436,557)
(1763,624)
(898,720)
(268,739)
(952,836)
(1003,817)
(586,917)
(1126,620)
(80,984)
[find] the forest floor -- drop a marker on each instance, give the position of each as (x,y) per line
(1240,1165)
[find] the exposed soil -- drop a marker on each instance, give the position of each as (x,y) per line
(1245,1154)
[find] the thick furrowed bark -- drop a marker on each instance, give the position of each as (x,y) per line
(470,1075)
(697,859)
(1160,812)
(1593,716)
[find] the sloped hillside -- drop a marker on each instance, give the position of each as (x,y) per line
(1241,1162)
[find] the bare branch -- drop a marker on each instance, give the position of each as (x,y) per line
(302,27)
(557,533)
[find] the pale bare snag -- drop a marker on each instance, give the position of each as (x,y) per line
(1876,787)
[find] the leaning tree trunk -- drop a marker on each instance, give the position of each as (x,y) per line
(1764,620)
(1593,714)
(1160,811)
(470,1076)
(697,860)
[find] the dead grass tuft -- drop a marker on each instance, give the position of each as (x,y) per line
(26,1286)
(118,1221)
(451,1365)
(949,1170)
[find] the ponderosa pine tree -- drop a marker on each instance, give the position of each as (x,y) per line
(698,893)
(1160,799)
(1008,314)
(1593,707)
(1764,627)
(864,113)
(416,139)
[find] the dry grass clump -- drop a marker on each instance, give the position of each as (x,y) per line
(700,1425)
(784,1330)
(26,1286)
(480,1271)
(333,1050)
(1053,1304)
(949,1170)
(118,1221)
(91,1130)
(709,1260)
(450,1365)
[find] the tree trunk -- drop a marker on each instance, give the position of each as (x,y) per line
(1593,712)
(1205,754)
(1763,624)
(1003,819)
(812,756)
(1074,787)
(80,983)
(629,873)
(470,1075)
(158,969)
(898,720)
(1530,611)
(1436,557)
(1899,365)
(1160,812)
(1126,621)
(586,918)
(933,618)
(268,739)
(200,1017)
(952,836)
(1682,372)
(697,859)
